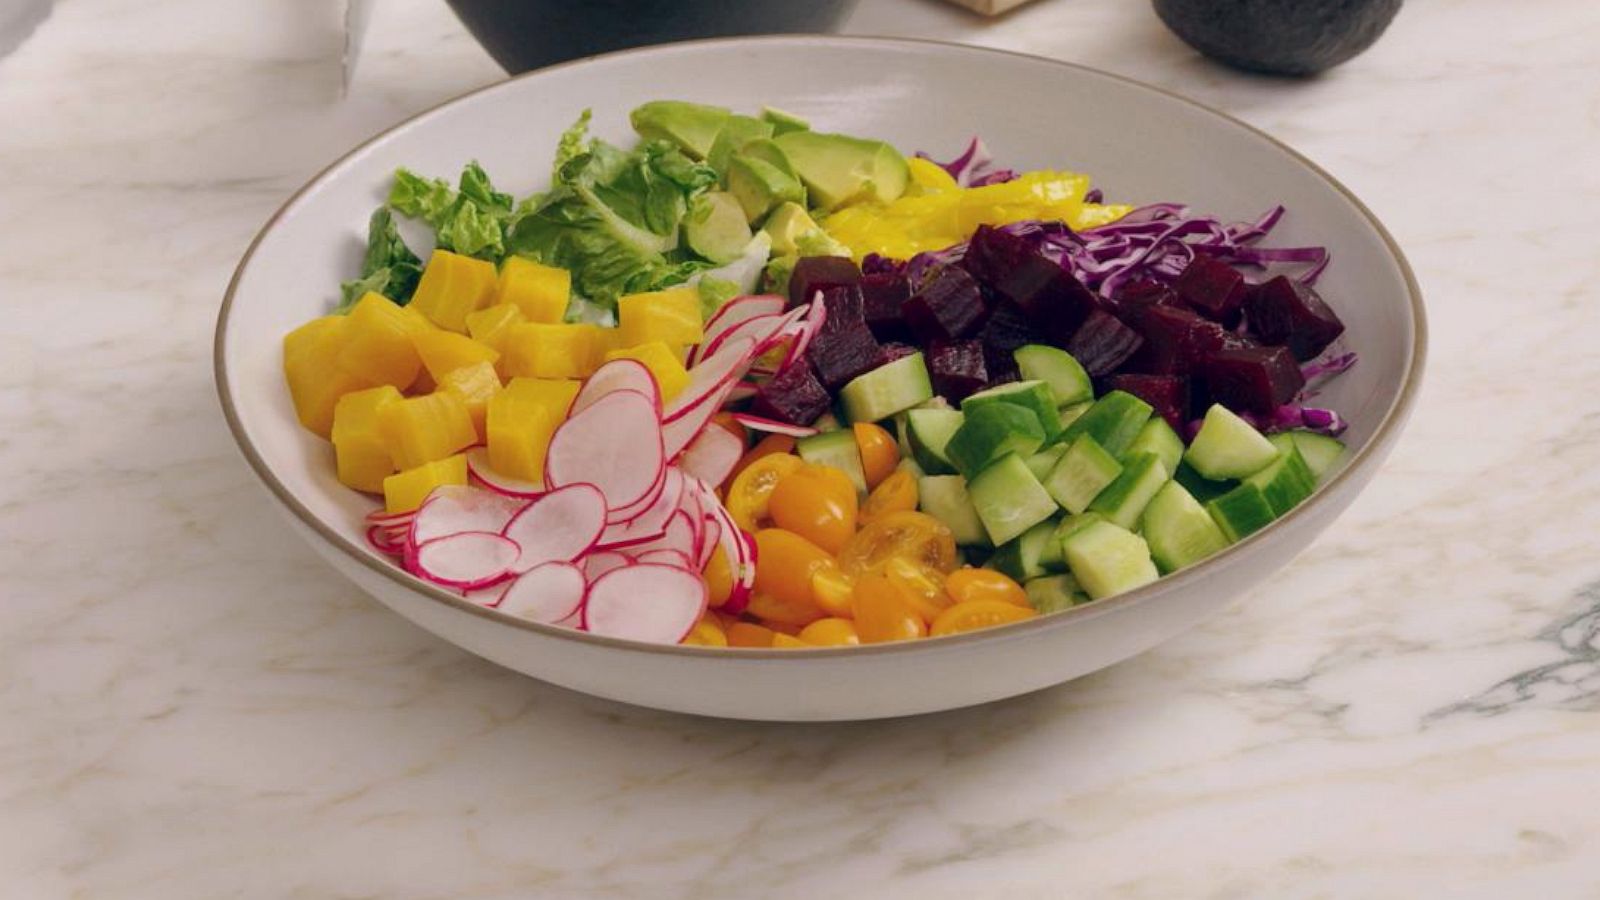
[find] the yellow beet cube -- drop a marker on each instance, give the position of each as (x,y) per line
(379,348)
(540,291)
(359,451)
(475,385)
(443,352)
(662,362)
(420,430)
(405,491)
(672,315)
(311,368)
(489,325)
(521,420)
(538,350)
(452,287)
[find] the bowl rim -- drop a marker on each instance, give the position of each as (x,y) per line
(1384,433)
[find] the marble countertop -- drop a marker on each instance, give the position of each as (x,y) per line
(192,705)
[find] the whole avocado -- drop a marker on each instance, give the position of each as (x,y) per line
(1281,37)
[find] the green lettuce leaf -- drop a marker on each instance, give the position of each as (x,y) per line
(413,196)
(388,268)
(574,143)
(714,292)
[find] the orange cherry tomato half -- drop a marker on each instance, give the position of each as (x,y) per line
(965,585)
(751,491)
(781,641)
(975,614)
(897,493)
(832,590)
(816,502)
(879,453)
(914,536)
(706,633)
(749,634)
(785,562)
(882,613)
(831,632)
(718,576)
(922,588)
(767,446)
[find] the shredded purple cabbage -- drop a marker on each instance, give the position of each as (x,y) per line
(1327,366)
(974,167)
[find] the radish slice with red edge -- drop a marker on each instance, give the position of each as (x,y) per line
(602,561)
(712,455)
(558,527)
(383,542)
(454,508)
(666,558)
(711,378)
(467,559)
(778,332)
(677,431)
(615,445)
(711,543)
(389,519)
(815,318)
(759,423)
(617,375)
(679,535)
(743,390)
(516,488)
(652,518)
(547,593)
(732,313)
(645,602)
(759,329)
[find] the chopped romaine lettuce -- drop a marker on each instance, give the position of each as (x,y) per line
(388,268)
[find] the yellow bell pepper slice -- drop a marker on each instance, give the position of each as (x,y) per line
(540,291)
(423,429)
(360,454)
(405,491)
(452,287)
(520,422)
(672,315)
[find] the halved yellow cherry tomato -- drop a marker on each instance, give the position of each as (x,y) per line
(785,562)
(718,576)
(918,586)
(897,493)
(964,585)
(831,632)
(751,491)
(768,446)
(707,633)
(882,613)
(816,502)
(749,634)
(832,590)
(975,614)
(915,536)
(781,641)
(879,453)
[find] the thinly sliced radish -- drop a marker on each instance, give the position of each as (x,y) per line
(734,312)
(759,423)
(574,621)
(602,561)
(666,558)
(467,559)
(643,505)
(711,455)
(816,316)
(614,445)
(744,390)
(478,467)
(711,543)
(759,328)
(784,329)
(679,535)
(388,519)
(382,541)
(711,378)
(645,602)
(546,593)
(651,518)
(558,527)
(451,509)
(617,375)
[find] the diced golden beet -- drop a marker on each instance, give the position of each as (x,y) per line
(672,315)
(359,451)
(538,350)
(420,430)
(475,385)
(452,287)
(379,348)
(443,352)
(423,385)
(540,291)
(662,362)
(405,491)
(521,420)
(489,325)
(311,368)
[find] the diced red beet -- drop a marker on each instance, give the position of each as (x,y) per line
(1177,340)
(991,253)
(1102,343)
(841,353)
(1006,329)
(1212,288)
(1168,394)
(815,273)
(949,306)
(882,295)
(844,303)
(1047,293)
(1145,292)
(896,350)
(956,368)
(1284,311)
(1257,379)
(794,395)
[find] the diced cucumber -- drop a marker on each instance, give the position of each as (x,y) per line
(827,422)
(989,432)
(909,465)
(1034,396)
(928,431)
(1199,486)
(1240,512)
(1286,480)
(945,498)
(1321,452)
(1051,558)
(1053,593)
(1042,462)
(902,435)
(1068,525)
(1107,559)
(1178,529)
(1024,558)
(1158,437)
(1056,367)
(1009,500)
(1070,414)
(1113,421)
(1081,474)
(886,390)
(1124,500)
(1228,447)
(837,449)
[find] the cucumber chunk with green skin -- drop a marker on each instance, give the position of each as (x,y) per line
(1030,555)
(1228,447)
(1081,474)
(1285,481)
(886,390)
(945,498)
(1113,421)
(1107,559)
(928,432)
(1240,512)
(1178,529)
(1068,525)
(1053,593)
(1158,437)
(836,449)
(1072,412)
(1321,452)
(1034,396)
(1009,500)
(988,433)
(827,422)
(1056,367)
(1199,486)
(1042,462)
(1123,501)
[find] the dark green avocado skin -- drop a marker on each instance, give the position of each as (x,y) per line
(1280,37)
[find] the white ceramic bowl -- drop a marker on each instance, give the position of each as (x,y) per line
(1140,144)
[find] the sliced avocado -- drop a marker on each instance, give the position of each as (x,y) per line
(767,151)
(735,133)
(759,186)
(785,225)
(716,228)
(784,122)
(692,126)
(838,169)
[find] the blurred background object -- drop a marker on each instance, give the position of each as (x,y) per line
(18,19)
(1279,37)
(990,7)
